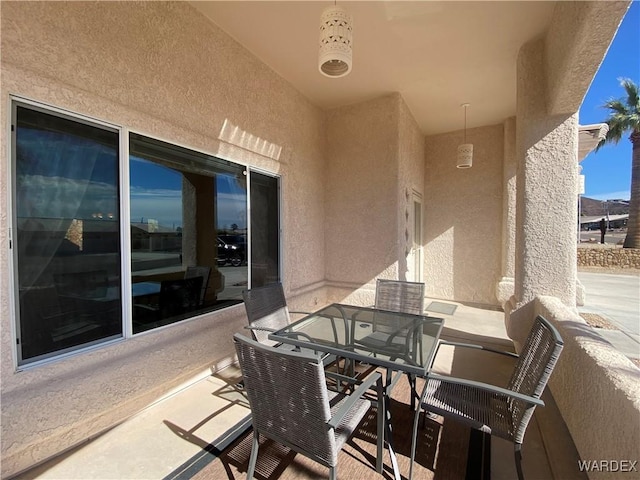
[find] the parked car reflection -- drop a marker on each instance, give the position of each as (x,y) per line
(231,250)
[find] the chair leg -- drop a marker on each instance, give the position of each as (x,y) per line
(381,419)
(254,454)
(332,473)
(414,436)
(518,455)
(412,385)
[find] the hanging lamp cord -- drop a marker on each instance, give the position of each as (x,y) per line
(465,124)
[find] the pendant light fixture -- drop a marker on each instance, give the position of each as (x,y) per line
(336,35)
(465,151)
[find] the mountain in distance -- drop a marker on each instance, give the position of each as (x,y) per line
(592,207)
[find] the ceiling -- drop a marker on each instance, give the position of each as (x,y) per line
(437,55)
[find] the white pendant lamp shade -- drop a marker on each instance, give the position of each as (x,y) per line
(465,155)
(336,35)
(465,151)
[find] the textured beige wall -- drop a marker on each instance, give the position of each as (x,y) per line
(138,66)
(576,43)
(411,163)
(506,285)
(463,217)
(596,388)
(362,192)
(375,159)
(553,74)
(547,183)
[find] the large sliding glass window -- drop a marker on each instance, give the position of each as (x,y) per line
(188,232)
(67,234)
(192,240)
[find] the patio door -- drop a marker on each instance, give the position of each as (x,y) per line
(414,260)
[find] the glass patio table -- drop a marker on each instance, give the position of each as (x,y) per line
(399,342)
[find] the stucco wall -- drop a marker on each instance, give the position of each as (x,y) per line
(463,217)
(546,189)
(137,65)
(575,44)
(411,166)
(596,389)
(362,192)
(506,286)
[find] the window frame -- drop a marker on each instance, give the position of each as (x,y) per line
(124,192)
(247,171)
(15,102)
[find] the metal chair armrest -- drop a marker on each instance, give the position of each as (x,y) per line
(350,401)
(339,377)
(486,387)
(477,347)
(284,334)
(262,329)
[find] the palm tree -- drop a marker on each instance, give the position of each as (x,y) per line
(624,116)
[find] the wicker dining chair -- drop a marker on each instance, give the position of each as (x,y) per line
(400,296)
(267,311)
(291,404)
(396,296)
(504,412)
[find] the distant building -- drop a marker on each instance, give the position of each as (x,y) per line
(593,222)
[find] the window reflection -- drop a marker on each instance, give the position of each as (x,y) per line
(265,230)
(192,241)
(188,211)
(68,236)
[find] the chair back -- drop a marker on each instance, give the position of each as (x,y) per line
(532,371)
(179,296)
(199,271)
(288,396)
(400,296)
(396,296)
(266,308)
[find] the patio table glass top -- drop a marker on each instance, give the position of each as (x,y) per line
(394,340)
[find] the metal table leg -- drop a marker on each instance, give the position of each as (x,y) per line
(388,428)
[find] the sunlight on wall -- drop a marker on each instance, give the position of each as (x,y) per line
(234,135)
(439,255)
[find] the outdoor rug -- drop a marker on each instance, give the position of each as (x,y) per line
(440,307)
(442,453)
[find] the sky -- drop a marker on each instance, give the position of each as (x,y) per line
(608,171)
(156,193)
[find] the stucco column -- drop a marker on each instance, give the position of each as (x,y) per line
(189,227)
(505,287)
(546,192)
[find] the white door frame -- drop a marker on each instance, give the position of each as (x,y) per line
(416,255)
